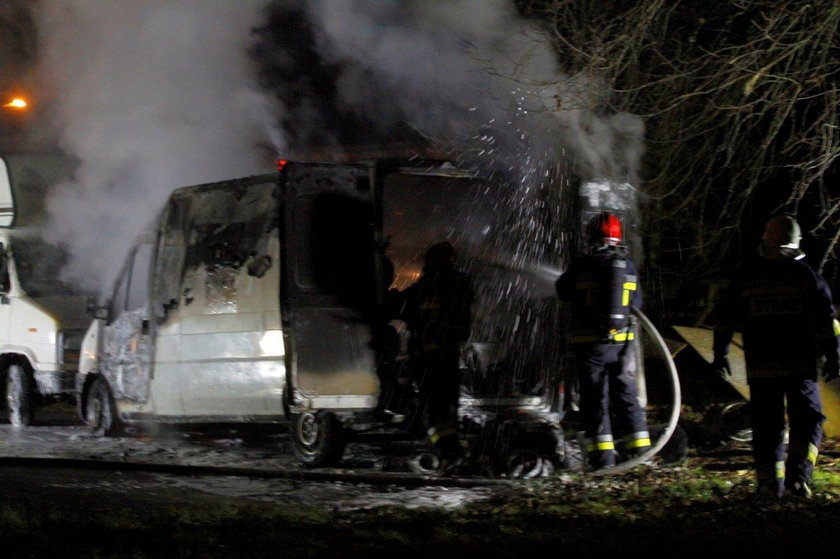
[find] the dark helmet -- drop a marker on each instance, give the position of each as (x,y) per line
(604,229)
(440,256)
(782,231)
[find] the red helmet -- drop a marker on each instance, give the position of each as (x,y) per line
(604,228)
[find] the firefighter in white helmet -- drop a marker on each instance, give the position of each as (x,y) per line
(784,310)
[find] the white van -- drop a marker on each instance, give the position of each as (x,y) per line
(42,320)
(259,300)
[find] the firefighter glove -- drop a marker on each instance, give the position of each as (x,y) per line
(831,370)
(721,366)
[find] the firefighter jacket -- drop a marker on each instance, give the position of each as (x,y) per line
(437,310)
(601,287)
(784,310)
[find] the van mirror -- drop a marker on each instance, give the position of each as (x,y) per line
(7,201)
(5,280)
(96,310)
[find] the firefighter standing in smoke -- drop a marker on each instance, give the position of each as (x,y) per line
(785,313)
(601,286)
(437,312)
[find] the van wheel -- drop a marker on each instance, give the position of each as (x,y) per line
(317,438)
(100,412)
(18,396)
(524,464)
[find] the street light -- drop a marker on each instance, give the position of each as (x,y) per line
(18,103)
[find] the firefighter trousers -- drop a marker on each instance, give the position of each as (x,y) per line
(439,385)
(805,419)
(608,393)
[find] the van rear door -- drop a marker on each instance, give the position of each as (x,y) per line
(329,285)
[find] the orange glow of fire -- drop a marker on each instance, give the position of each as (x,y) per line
(17,103)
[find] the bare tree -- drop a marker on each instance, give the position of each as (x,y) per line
(740,99)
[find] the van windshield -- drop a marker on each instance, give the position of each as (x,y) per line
(39,266)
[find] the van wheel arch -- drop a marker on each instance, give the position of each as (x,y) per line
(82,402)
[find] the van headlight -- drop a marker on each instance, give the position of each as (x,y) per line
(68,345)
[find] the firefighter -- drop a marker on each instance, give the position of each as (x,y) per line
(785,313)
(600,287)
(437,313)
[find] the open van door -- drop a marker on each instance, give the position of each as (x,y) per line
(330,240)
(330,295)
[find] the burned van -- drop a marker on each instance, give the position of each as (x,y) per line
(42,319)
(264,300)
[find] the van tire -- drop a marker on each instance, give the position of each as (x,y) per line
(19,396)
(101,414)
(317,438)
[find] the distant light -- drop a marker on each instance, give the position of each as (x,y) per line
(16,103)
(281,163)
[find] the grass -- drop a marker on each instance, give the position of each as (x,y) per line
(682,506)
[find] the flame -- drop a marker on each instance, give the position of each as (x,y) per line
(17,103)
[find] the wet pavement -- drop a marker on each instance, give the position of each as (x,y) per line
(61,439)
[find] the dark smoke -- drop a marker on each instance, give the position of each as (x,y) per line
(465,74)
(18,42)
(318,117)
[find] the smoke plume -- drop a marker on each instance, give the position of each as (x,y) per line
(154,95)
(148,96)
(458,72)
(471,77)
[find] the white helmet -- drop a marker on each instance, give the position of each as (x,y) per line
(782,231)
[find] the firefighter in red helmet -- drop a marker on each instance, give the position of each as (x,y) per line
(600,287)
(785,313)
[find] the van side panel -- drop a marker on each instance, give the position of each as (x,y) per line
(219,346)
(231,355)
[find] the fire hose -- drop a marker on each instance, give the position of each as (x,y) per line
(676,402)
